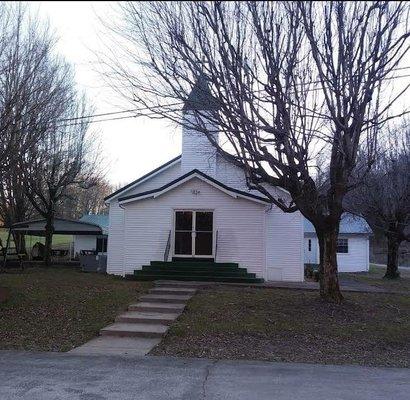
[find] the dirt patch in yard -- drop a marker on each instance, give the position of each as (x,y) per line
(4,294)
(57,309)
(292,325)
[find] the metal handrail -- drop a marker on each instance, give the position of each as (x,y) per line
(167,247)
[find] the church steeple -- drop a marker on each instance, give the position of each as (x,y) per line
(197,150)
(201,97)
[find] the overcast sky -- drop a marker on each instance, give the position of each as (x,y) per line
(131,147)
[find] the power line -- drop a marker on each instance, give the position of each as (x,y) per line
(168,105)
(119,118)
(117,112)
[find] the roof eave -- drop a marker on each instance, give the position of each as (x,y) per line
(142,179)
(184,178)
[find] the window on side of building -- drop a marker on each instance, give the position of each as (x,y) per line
(342,245)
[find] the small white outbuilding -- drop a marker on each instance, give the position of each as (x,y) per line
(96,242)
(352,246)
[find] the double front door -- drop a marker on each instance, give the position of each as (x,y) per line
(193,233)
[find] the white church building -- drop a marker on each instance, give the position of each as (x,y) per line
(198,208)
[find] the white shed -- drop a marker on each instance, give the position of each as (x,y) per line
(353,244)
(96,242)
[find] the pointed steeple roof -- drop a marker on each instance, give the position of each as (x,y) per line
(200,97)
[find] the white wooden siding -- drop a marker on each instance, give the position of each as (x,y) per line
(115,248)
(278,235)
(231,175)
(84,242)
(356,260)
(169,174)
(284,246)
(197,151)
(240,225)
(115,257)
(311,257)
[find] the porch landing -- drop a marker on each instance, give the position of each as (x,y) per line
(204,271)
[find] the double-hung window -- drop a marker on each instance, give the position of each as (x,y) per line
(342,245)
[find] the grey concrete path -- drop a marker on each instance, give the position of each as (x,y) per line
(137,331)
(60,376)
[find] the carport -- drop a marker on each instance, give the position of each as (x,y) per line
(61,227)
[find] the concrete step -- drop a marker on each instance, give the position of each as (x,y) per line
(147,317)
(193,264)
(165,298)
(123,329)
(142,276)
(157,307)
(172,290)
(178,284)
(193,271)
(117,346)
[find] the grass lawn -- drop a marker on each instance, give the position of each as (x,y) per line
(375,278)
(57,309)
(292,325)
(58,240)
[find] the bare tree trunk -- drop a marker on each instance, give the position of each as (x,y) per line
(320,239)
(49,230)
(328,278)
(20,242)
(392,270)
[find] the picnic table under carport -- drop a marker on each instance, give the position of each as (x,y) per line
(62,226)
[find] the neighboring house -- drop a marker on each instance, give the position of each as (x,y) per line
(96,242)
(352,247)
(197,206)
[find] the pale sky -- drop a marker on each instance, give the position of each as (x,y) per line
(131,147)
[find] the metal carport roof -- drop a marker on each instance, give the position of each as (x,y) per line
(61,226)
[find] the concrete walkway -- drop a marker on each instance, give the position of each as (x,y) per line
(60,376)
(137,331)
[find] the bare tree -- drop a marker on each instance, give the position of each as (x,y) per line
(289,81)
(384,197)
(27,86)
(14,204)
(62,159)
(79,201)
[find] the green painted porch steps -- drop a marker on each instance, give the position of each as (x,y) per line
(206,271)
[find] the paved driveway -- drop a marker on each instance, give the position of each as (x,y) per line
(46,376)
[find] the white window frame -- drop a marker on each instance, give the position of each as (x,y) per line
(193,236)
(347,245)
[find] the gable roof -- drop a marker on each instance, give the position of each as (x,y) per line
(349,224)
(143,178)
(184,178)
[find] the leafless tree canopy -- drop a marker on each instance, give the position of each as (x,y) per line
(384,198)
(62,159)
(42,154)
(79,201)
(291,81)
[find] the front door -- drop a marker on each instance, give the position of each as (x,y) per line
(193,234)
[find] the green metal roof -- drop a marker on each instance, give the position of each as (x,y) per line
(97,219)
